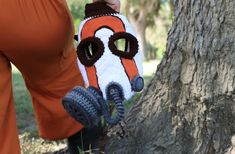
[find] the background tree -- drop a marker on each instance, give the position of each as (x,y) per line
(77,8)
(189,106)
(141,13)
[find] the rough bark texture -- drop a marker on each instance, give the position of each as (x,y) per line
(189,106)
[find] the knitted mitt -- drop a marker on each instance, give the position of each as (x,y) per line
(111,65)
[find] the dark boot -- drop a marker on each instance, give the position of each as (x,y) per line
(85,140)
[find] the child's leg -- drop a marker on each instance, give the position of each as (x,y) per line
(9,143)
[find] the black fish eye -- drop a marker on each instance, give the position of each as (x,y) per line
(124,45)
(90,50)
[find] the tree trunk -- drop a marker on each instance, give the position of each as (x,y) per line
(189,106)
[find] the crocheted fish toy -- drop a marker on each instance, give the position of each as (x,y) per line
(111,65)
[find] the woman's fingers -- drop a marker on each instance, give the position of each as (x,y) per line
(114,4)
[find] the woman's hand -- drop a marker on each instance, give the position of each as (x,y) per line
(114,4)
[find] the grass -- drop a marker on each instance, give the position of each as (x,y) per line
(23,105)
(28,131)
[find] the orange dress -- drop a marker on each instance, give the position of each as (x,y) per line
(37,37)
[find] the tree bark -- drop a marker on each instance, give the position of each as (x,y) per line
(189,106)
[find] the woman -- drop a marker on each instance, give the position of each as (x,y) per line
(37,37)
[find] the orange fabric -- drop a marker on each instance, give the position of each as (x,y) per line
(8,132)
(92,76)
(115,24)
(37,36)
(93,25)
(130,68)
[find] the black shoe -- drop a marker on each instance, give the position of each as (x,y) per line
(85,140)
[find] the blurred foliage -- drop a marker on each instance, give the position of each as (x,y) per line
(157,32)
(77,8)
(149,9)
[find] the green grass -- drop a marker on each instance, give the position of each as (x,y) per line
(23,105)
